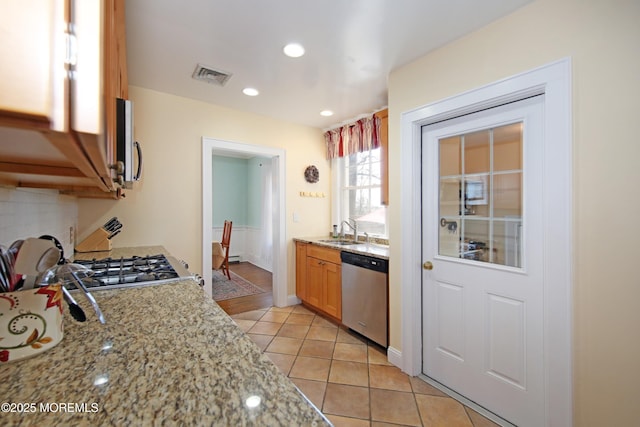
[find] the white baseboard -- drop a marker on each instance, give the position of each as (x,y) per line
(293,300)
(257,262)
(394,356)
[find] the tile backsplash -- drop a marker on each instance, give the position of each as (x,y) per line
(34,212)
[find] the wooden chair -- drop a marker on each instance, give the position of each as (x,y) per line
(220,251)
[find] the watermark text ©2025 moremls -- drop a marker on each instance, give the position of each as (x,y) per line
(52,407)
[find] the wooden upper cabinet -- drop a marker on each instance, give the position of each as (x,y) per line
(115,67)
(33,76)
(64,64)
(97,128)
(384,152)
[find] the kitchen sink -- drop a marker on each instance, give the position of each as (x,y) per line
(339,242)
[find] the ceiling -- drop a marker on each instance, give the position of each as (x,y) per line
(351,47)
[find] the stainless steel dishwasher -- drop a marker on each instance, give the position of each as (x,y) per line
(365,296)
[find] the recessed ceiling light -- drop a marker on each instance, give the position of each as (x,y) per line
(326,113)
(249,91)
(294,50)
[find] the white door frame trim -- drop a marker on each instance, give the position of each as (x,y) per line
(278,156)
(554,80)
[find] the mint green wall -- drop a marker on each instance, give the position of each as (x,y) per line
(255,191)
(237,190)
(230,184)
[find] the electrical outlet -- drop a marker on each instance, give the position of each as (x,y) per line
(71,235)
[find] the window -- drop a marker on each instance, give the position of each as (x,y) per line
(481,195)
(358,192)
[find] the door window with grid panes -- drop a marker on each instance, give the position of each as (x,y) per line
(481,195)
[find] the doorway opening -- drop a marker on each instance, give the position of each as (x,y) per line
(274,220)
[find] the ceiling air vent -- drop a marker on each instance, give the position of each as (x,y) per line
(209,75)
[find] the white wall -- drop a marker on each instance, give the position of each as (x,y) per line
(603,40)
(32,213)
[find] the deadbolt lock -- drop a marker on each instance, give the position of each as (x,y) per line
(427,265)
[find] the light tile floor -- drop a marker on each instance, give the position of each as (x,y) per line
(348,377)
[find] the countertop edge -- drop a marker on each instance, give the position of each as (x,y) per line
(369,249)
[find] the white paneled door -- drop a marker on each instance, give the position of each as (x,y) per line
(483,258)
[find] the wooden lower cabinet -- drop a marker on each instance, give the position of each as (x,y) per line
(319,278)
(332,289)
(315,281)
(301,270)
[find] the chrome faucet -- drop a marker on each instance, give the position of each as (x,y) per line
(354,227)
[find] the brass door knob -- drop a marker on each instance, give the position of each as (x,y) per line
(427,265)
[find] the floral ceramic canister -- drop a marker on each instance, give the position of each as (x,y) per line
(30,322)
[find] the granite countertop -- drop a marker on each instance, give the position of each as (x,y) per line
(371,249)
(167,355)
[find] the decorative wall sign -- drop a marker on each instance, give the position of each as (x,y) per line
(311,174)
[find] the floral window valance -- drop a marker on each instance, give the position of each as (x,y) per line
(363,135)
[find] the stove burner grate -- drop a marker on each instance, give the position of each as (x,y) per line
(119,271)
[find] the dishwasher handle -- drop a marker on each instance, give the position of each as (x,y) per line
(364,261)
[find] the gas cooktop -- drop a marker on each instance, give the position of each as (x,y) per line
(111,273)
